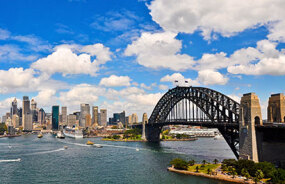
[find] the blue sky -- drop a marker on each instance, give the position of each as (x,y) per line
(124,55)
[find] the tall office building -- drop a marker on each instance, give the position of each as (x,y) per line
(123,118)
(15,121)
(84,110)
(27,118)
(71,120)
(41,116)
(103,117)
(55,117)
(64,115)
(88,120)
(33,105)
(14,109)
(95,116)
(144,118)
(34,110)
(134,118)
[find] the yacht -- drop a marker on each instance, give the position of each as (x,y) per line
(60,135)
(73,133)
(40,135)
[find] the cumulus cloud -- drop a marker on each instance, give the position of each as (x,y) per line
(5,104)
(65,61)
(213,17)
(114,81)
(163,87)
(46,98)
(159,50)
(211,77)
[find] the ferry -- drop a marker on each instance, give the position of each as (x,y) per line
(60,135)
(40,135)
(73,133)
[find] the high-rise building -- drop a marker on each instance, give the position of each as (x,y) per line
(64,115)
(84,110)
(144,118)
(103,117)
(123,118)
(14,109)
(88,120)
(33,105)
(130,122)
(41,116)
(27,118)
(276,108)
(95,116)
(71,120)
(15,121)
(34,110)
(55,117)
(134,118)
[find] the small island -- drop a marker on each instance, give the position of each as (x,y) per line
(230,170)
(134,135)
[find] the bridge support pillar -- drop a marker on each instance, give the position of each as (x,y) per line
(152,133)
(250,115)
(143,131)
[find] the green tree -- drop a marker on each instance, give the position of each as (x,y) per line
(216,161)
(179,163)
(3,128)
(204,162)
(208,171)
(197,168)
(245,173)
(258,175)
(233,171)
(191,162)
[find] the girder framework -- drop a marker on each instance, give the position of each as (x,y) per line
(199,106)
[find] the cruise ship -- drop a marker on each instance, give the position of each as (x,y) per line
(73,133)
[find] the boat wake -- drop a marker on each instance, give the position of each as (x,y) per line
(45,152)
(11,160)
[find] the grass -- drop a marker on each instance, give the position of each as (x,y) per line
(204,169)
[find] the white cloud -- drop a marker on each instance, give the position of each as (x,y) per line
(101,52)
(159,50)
(227,17)
(180,80)
(14,53)
(5,105)
(211,77)
(163,87)
(46,98)
(114,81)
(4,34)
(150,87)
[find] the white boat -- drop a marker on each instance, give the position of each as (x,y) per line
(60,135)
(73,133)
(98,145)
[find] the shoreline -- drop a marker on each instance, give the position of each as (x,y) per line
(215,177)
(125,140)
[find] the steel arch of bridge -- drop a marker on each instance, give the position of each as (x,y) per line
(221,110)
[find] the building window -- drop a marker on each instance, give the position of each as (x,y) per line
(257,120)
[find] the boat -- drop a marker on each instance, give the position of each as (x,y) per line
(137,149)
(98,146)
(60,135)
(40,135)
(90,143)
(65,147)
(73,133)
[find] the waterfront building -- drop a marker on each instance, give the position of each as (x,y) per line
(15,121)
(103,117)
(28,122)
(55,117)
(99,119)
(134,118)
(95,116)
(34,110)
(41,116)
(144,118)
(77,115)
(4,119)
(27,118)
(88,120)
(84,110)
(130,120)
(64,115)
(276,108)
(123,118)
(71,120)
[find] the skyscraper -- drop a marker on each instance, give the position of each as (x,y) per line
(41,116)
(134,118)
(14,109)
(71,120)
(103,116)
(88,120)
(64,115)
(34,110)
(123,118)
(15,121)
(27,118)
(55,117)
(84,110)
(95,116)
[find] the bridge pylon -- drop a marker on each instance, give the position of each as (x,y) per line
(249,117)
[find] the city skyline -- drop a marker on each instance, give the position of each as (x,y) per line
(125,56)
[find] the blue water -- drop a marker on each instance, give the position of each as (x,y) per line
(45,161)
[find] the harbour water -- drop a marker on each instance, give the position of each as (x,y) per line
(28,159)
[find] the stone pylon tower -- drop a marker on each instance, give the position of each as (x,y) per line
(250,116)
(276,108)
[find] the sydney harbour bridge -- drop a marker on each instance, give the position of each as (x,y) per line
(240,124)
